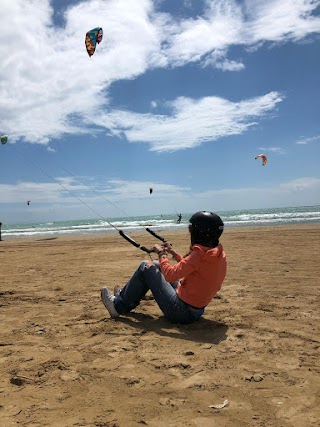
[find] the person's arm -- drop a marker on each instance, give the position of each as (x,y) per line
(160,251)
(175,272)
(182,269)
(177,257)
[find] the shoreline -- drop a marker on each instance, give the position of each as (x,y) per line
(167,233)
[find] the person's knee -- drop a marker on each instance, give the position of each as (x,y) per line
(143,265)
(149,272)
(147,265)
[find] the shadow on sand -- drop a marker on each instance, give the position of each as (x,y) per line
(202,331)
(46,238)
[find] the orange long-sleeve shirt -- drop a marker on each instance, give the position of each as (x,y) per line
(200,274)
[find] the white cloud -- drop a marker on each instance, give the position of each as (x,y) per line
(298,192)
(190,122)
(191,39)
(23,191)
(49,87)
(305,141)
(70,187)
(137,189)
(228,23)
(228,65)
(301,184)
(280,20)
(277,150)
(219,60)
(50,202)
(70,197)
(47,81)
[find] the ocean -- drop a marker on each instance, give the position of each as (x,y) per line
(252,217)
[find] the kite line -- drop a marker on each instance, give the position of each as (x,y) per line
(120,231)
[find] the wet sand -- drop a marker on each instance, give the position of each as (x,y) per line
(64,362)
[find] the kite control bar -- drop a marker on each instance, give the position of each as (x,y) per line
(137,245)
(156,235)
(134,243)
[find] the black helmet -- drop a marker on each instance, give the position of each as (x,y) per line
(205,228)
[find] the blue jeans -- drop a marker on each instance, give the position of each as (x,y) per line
(150,277)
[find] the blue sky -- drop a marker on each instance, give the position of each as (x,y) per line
(180,96)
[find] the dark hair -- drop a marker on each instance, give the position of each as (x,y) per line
(205,228)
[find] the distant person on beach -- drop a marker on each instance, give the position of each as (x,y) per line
(183,290)
(0,231)
(179,218)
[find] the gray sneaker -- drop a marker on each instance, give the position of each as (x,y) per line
(108,301)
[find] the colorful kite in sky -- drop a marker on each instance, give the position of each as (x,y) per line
(263,157)
(4,139)
(92,38)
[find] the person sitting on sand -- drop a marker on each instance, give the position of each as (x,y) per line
(183,290)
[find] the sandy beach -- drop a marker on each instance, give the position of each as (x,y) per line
(256,351)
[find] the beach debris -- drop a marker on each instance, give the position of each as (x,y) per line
(17,381)
(133,381)
(168,401)
(206,346)
(180,365)
(220,405)
(255,377)
(20,380)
